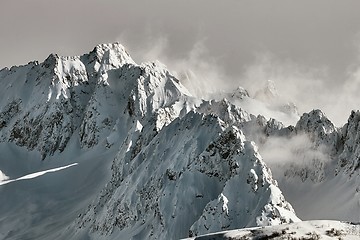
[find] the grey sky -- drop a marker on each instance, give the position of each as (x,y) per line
(320,34)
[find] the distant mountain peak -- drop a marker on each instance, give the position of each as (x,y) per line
(268,92)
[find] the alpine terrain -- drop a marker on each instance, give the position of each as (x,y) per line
(100,147)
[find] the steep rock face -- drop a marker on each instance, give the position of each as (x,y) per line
(320,129)
(254,127)
(40,114)
(94,95)
(129,94)
(341,145)
(315,162)
(249,198)
(259,129)
(225,110)
(349,157)
(313,143)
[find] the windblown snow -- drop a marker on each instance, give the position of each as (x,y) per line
(100,147)
(34,175)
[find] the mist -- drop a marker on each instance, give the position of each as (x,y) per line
(283,153)
(306,86)
(201,73)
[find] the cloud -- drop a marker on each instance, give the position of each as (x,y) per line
(297,83)
(280,153)
(346,96)
(200,72)
(308,87)
(150,47)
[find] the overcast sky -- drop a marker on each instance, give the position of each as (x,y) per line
(313,38)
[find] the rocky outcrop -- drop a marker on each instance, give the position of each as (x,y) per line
(50,99)
(89,95)
(350,155)
(320,129)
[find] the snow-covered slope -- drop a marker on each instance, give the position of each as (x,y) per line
(195,176)
(99,147)
(307,230)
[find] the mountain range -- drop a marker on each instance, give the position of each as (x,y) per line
(99,147)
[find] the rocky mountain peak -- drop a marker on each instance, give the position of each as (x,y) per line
(112,54)
(51,60)
(319,127)
(240,93)
(315,119)
(350,156)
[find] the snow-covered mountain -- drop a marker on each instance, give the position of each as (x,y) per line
(99,147)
